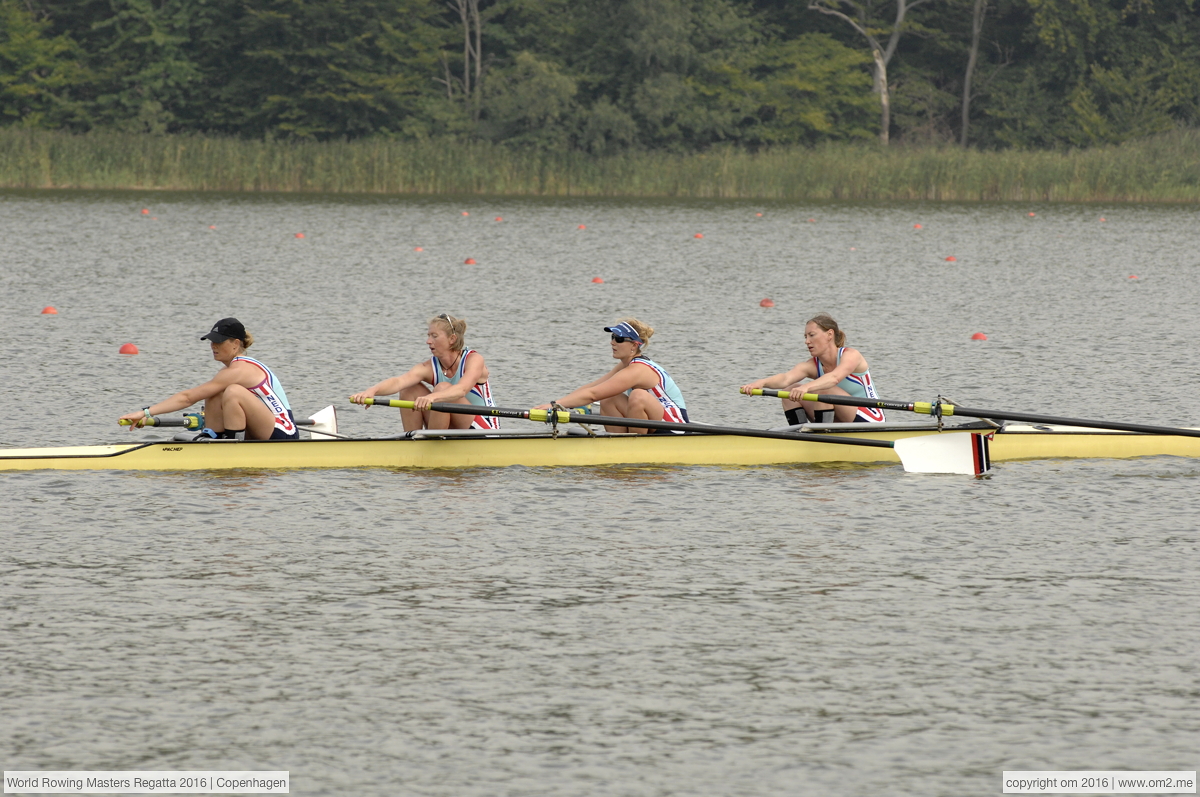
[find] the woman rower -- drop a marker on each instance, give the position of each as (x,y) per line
(451,374)
(834,369)
(244,396)
(636,387)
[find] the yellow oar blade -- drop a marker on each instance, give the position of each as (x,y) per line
(964,453)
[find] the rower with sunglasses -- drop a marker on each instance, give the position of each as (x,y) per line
(452,373)
(636,387)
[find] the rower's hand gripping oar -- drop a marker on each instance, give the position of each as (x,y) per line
(321,424)
(942,409)
(966,453)
(914,459)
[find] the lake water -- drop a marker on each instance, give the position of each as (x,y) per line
(623,631)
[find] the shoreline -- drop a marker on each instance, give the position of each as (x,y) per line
(1164,169)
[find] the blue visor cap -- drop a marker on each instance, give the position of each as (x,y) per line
(625,331)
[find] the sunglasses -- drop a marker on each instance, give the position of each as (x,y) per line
(622,339)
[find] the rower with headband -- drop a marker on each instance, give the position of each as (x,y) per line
(636,387)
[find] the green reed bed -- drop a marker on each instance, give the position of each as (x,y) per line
(1161,169)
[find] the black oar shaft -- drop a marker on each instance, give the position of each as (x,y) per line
(573,417)
(927,408)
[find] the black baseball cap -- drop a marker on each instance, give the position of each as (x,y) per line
(225,329)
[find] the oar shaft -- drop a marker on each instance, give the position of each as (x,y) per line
(193,422)
(927,408)
(572,417)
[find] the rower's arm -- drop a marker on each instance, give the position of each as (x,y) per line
(852,361)
(804,370)
(185,398)
(623,379)
(416,375)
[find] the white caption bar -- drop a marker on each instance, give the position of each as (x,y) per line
(150,782)
(1099,782)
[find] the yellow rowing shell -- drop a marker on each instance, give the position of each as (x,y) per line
(1015,442)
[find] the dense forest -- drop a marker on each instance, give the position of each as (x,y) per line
(608,76)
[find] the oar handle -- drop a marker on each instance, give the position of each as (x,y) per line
(547,416)
(924,407)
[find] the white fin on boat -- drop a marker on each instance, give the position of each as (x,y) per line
(950,452)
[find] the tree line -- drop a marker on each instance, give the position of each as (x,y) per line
(606,76)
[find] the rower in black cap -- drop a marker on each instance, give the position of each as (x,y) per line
(244,396)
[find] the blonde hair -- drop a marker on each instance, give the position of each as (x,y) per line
(826,322)
(455,326)
(644,331)
(247,341)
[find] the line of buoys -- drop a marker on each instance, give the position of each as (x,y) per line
(299,235)
(597,281)
(979,336)
(952,259)
(49,311)
(128,348)
(698,235)
(470,261)
(766,303)
(918,227)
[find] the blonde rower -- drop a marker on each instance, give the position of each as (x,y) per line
(834,369)
(243,396)
(453,373)
(636,387)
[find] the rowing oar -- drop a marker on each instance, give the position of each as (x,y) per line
(321,423)
(917,454)
(936,408)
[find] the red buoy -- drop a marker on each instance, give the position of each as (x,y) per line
(299,235)
(1032,214)
(212,226)
(465,213)
(145,211)
(470,261)
(1103,219)
(49,311)
(129,348)
(499,219)
(698,235)
(583,226)
(918,227)
(812,221)
(952,259)
(979,336)
(419,249)
(766,303)
(1131,276)
(758,214)
(597,281)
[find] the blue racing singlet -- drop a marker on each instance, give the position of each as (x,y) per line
(666,391)
(480,395)
(270,391)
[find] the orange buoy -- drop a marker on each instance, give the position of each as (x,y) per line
(952,259)
(1131,276)
(758,214)
(918,227)
(129,348)
(979,336)
(1032,214)
(212,226)
(812,221)
(597,281)
(583,226)
(470,261)
(465,213)
(766,303)
(299,235)
(499,219)
(698,235)
(1103,219)
(419,249)
(145,211)
(49,311)
(854,249)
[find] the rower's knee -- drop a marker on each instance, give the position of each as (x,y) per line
(414,391)
(645,405)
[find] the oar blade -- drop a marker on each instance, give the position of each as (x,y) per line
(323,421)
(963,453)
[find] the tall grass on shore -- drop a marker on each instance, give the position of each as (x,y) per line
(1164,168)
